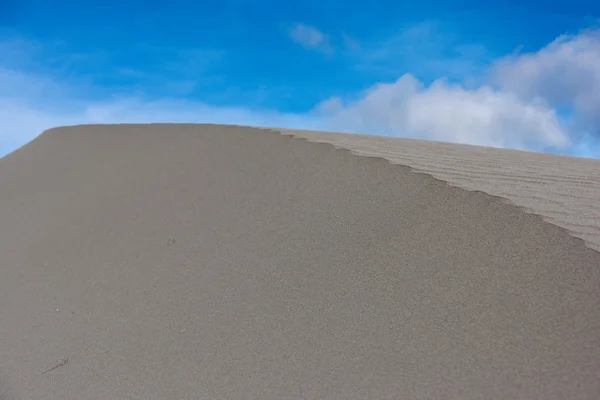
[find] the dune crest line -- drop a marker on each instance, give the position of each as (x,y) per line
(564,190)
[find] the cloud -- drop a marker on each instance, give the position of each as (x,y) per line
(310,37)
(350,43)
(565,73)
(428,50)
(450,113)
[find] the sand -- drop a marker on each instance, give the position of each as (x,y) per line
(220,262)
(563,190)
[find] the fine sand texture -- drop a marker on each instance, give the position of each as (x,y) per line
(170,261)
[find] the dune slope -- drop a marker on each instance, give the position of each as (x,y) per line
(202,261)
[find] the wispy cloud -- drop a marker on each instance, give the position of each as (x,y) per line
(142,67)
(426,49)
(310,37)
(350,43)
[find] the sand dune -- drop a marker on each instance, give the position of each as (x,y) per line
(222,262)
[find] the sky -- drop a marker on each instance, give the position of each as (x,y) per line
(522,75)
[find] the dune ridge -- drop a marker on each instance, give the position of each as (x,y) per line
(564,190)
(206,261)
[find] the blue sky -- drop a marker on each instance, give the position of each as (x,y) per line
(508,74)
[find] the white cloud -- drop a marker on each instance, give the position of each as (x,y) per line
(565,73)
(449,113)
(310,37)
